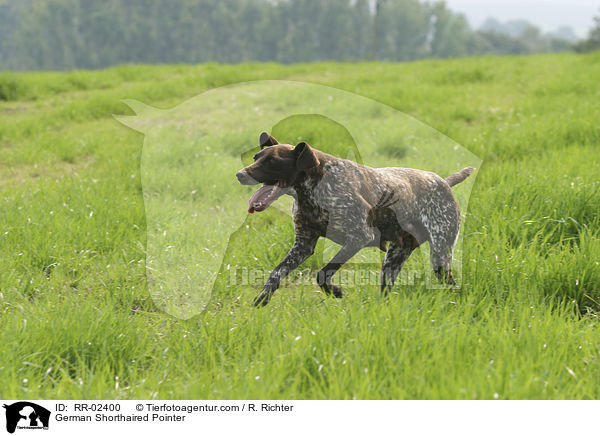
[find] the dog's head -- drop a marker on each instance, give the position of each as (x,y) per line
(277,166)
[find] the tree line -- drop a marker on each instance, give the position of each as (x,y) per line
(68,34)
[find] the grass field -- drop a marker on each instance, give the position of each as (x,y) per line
(77,319)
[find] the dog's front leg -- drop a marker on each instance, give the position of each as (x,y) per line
(303,248)
(344,255)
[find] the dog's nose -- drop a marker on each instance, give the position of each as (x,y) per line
(244,178)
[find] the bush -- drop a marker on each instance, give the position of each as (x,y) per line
(10,88)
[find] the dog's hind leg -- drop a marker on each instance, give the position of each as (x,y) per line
(397,253)
(441,249)
(442,222)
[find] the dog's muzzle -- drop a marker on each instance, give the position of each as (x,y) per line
(245,179)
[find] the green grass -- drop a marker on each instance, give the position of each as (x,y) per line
(77,319)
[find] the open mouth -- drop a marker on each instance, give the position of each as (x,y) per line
(265,196)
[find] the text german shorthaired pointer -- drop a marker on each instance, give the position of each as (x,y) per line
(355,206)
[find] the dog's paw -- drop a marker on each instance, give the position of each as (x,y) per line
(445,277)
(262,299)
(337,291)
(334,290)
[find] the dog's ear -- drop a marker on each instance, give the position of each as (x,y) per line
(306,156)
(266,140)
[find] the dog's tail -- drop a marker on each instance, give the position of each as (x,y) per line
(456,178)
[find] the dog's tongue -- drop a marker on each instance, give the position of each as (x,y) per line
(263,198)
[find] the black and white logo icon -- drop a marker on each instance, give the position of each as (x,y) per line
(26,415)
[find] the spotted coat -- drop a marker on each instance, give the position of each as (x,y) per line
(356,206)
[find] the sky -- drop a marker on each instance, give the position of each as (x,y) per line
(546,14)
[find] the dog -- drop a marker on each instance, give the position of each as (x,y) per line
(356,206)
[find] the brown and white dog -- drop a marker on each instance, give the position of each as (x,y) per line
(355,206)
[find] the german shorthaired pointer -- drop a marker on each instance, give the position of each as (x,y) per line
(355,206)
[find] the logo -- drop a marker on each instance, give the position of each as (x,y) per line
(198,230)
(26,415)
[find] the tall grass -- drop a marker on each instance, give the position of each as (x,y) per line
(76,319)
